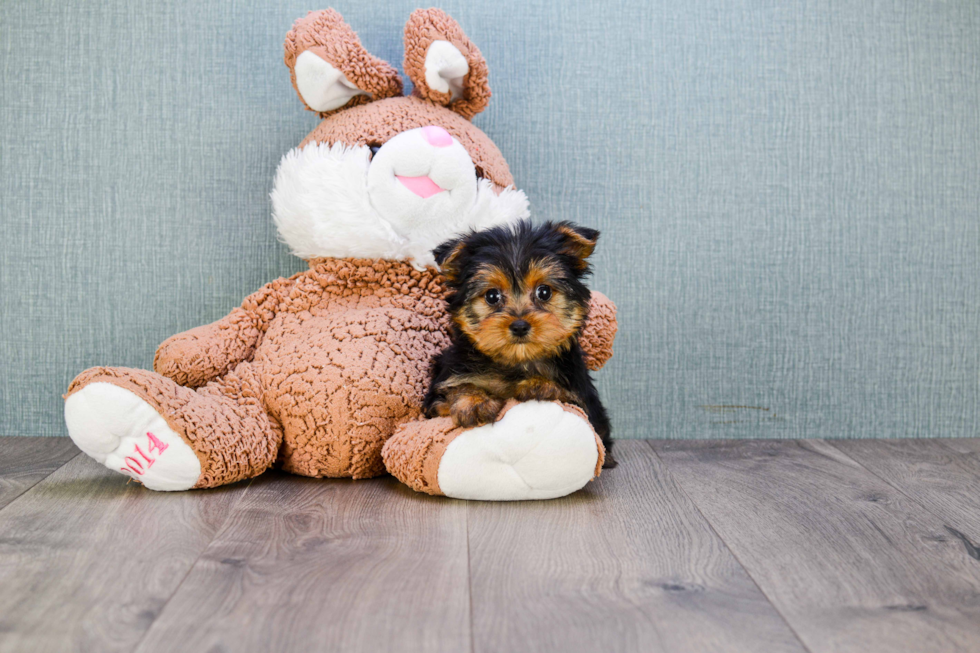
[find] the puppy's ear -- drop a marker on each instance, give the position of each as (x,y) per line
(577,242)
(330,68)
(445,66)
(449,256)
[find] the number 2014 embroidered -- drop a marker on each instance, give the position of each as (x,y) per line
(139,467)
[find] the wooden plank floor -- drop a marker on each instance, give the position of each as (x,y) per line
(25,462)
(851,563)
(686,546)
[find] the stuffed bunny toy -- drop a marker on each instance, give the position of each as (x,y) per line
(322,374)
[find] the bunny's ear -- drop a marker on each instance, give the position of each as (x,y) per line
(330,68)
(445,66)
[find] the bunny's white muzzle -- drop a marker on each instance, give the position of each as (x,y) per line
(418,190)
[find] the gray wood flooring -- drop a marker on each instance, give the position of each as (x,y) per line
(759,546)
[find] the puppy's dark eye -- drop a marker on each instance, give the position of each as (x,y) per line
(492,296)
(543,292)
(374,149)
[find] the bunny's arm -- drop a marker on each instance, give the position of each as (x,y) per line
(599,332)
(195,357)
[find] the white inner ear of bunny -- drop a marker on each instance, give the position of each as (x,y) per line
(445,69)
(323,87)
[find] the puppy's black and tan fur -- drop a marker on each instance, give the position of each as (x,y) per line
(518,305)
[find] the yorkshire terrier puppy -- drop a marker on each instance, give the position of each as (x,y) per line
(518,305)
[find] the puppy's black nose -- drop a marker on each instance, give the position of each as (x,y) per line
(520,328)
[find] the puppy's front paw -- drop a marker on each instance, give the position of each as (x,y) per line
(470,410)
(538,389)
(439,408)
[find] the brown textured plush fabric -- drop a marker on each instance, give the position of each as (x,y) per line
(599,331)
(327,35)
(376,122)
(314,372)
(224,422)
(428,25)
(413,453)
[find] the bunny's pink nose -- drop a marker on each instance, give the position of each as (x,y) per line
(437,136)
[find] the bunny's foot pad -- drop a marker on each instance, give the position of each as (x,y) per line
(123,432)
(535,450)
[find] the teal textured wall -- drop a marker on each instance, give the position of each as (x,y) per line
(789,193)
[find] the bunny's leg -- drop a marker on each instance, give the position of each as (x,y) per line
(169,437)
(535,450)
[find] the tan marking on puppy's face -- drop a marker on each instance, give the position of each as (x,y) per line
(496,304)
(488,277)
(541,272)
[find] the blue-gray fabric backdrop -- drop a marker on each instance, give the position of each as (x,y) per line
(789,193)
